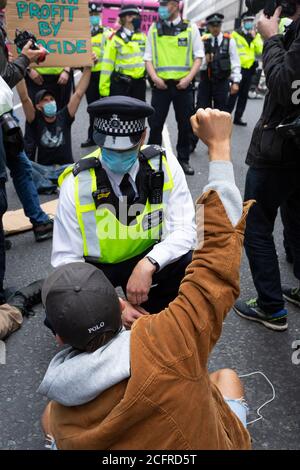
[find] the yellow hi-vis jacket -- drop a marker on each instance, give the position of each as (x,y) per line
(105,239)
(172,56)
(248,52)
(122,55)
(98,42)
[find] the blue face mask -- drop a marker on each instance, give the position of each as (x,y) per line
(50,109)
(248,25)
(120,162)
(164,13)
(94,20)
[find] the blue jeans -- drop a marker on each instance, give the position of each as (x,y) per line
(45,177)
(21,172)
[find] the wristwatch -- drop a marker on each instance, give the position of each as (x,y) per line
(155,263)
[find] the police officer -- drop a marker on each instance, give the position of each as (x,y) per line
(222,66)
(127,208)
(173,56)
(99,37)
(249,45)
(123,66)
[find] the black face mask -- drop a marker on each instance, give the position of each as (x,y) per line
(136,22)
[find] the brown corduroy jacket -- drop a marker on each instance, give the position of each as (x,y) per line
(169,401)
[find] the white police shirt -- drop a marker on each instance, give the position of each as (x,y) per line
(179,234)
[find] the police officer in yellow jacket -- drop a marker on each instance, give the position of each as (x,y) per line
(99,36)
(127,208)
(123,67)
(250,46)
(173,57)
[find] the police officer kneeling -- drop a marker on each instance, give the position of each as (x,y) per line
(127,208)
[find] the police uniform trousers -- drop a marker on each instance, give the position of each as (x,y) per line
(242,96)
(165,283)
(135,88)
(183,106)
(213,93)
(92,94)
(61,93)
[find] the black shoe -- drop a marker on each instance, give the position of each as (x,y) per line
(188,170)
(239,122)
(24,299)
(43,231)
(88,143)
(251,311)
(292,295)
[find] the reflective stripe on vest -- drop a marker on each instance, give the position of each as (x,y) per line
(172,55)
(49,70)
(105,238)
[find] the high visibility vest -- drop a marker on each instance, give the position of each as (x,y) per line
(98,43)
(248,52)
(49,70)
(105,239)
(172,56)
(122,55)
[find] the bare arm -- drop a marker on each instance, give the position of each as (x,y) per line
(79,91)
(27,104)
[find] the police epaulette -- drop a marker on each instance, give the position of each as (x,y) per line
(152,151)
(85,164)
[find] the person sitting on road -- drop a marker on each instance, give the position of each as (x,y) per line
(112,386)
(50,126)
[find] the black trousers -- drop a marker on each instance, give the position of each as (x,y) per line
(213,94)
(242,96)
(136,89)
(166,282)
(61,93)
(272,189)
(92,94)
(183,106)
(3,208)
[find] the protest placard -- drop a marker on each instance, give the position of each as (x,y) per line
(61,26)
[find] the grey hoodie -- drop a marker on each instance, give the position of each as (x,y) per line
(74,378)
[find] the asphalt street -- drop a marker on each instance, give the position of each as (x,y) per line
(244,346)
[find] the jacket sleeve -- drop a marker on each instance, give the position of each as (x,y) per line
(184,334)
(107,67)
(13,72)
(282,68)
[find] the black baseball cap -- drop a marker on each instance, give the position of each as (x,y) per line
(80,304)
(41,95)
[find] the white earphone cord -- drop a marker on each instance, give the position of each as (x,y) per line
(267,402)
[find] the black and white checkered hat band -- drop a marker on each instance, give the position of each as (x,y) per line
(115,126)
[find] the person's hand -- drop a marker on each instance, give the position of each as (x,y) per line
(36,77)
(10,57)
(209,58)
(140,281)
(268,27)
(183,84)
(94,58)
(131,313)
(160,83)
(234,89)
(214,128)
(63,78)
(31,54)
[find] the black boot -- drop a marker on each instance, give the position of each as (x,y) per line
(188,170)
(24,299)
(240,122)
